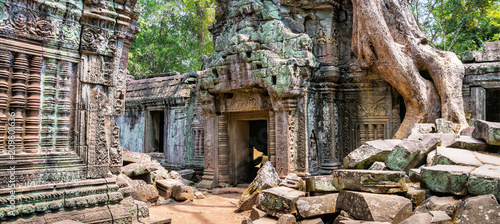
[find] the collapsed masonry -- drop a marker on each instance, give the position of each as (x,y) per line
(62,82)
(434,176)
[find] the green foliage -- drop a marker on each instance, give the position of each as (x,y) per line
(458,25)
(174,35)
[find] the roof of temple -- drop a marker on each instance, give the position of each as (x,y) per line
(165,85)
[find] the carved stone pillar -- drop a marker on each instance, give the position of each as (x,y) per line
(210,172)
(272,137)
(223,150)
(478,99)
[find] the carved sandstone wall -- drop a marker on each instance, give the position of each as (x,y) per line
(62,82)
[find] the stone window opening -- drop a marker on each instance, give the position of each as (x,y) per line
(157,132)
(493,105)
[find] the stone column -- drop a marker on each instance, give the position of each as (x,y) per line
(210,171)
(478,98)
(223,150)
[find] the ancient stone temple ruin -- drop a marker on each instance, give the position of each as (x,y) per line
(163,119)
(481,83)
(283,73)
(62,82)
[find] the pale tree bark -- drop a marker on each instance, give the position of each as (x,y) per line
(388,41)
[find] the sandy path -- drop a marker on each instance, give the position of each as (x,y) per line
(214,209)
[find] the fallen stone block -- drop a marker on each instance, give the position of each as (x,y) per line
(375,207)
(182,192)
(156,219)
(320,184)
(378,166)
(287,219)
(446,127)
(487,131)
(446,178)
(187,174)
(440,217)
(482,209)
(369,152)
(452,156)
(318,205)
(487,158)
(414,175)
(416,195)
(421,218)
(430,157)
(266,220)
(246,220)
(136,169)
(293,181)
(144,192)
(373,181)
(484,180)
(280,200)
(135,157)
(408,154)
(435,203)
(256,213)
(266,178)
(469,143)
(164,187)
(467,131)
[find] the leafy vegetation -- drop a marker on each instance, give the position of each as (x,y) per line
(458,25)
(174,35)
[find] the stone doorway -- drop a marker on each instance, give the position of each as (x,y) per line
(249,145)
(493,105)
(156,131)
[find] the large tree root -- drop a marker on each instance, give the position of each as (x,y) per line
(387,41)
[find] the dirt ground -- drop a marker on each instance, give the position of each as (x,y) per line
(219,208)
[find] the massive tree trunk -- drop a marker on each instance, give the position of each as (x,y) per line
(388,41)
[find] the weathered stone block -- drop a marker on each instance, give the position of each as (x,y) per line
(373,181)
(445,127)
(135,157)
(440,217)
(416,195)
(256,213)
(408,154)
(280,200)
(293,181)
(317,205)
(482,209)
(266,178)
(414,175)
(287,219)
(484,180)
(378,166)
(371,151)
(488,158)
(182,192)
(135,169)
(320,184)
(143,191)
(199,195)
(487,131)
(165,187)
(421,218)
(469,143)
(452,156)
(435,203)
(375,207)
(446,178)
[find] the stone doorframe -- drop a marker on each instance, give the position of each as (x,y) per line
(234,142)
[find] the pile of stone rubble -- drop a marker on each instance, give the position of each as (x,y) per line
(433,176)
(150,182)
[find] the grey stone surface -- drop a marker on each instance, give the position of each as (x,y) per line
(164,187)
(446,178)
(373,181)
(435,203)
(266,178)
(143,191)
(440,217)
(375,207)
(280,200)
(287,219)
(409,154)
(420,218)
(369,152)
(318,205)
(469,143)
(484,180)
(482,209)
(414,175)
(256,213)
(320,184)
(293,181)
(487,131)
(452,156)
(378,166)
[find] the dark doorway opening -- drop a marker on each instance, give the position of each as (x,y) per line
(157,130)
(493,105)
(257,145)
